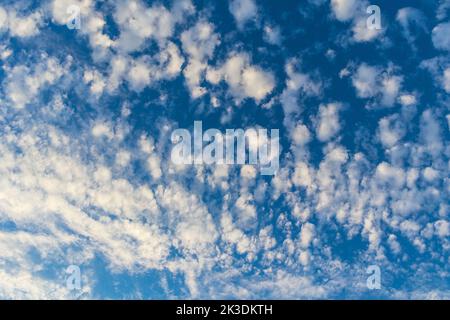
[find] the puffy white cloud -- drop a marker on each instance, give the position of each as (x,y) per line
(391,87)
(328,121)
(27,26)
(394,244)
(92,24)
(440,36)
(344,10)
(272,35)
(430,133)
(442,228)
(410,229)
(307,234)
(139,23)
(303,176)
(365,81)
(387,173)
(298,84)
(3,19)
(410,18)
(446,80)
(5,53)
(24,83)
(283,284)
(232,234)
(244,79)
(442,10)
(354,11)
(146,70)
(407,99)
(363,34)
(304,257)
(257,82)
(390,131)
(173,59)
(243,11)
(248,172)
(246,210)
(301,135)
(139,73)
(102,129)
(199,43)
(24,284)
(371,82)
(95,80)
(194,226)
(430,174)
(20,25)
(118,67)
(298,81)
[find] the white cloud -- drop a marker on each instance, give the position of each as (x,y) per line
(92,24)
(257,83)
(430,174)
(328,121)
(3,19)
(442,228)
(344,10)
(139,73)
(20,25)
(410,18)
(301,135)
(365,81)
(371,82)
(440,36)
(243,11)
(24,26)
(430,133)
(272,35)
(95,80)
(139,23)
(303,176)
(243,79)
(407,99)
(23,83)
(246,210)
(446,80)
(118,67)
(363,34)
(145,70)
(391,87)
(307,234)
(298,84)
(387,173)
(394,244)
(102,129)
(390,130)
(199,42)
(354,11)
(289,286)
(304,257)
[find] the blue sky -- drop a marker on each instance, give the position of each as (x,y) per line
(86,177)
